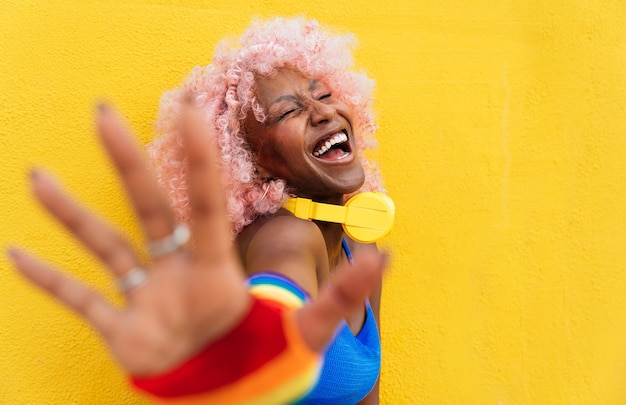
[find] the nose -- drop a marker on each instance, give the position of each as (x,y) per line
(321,112)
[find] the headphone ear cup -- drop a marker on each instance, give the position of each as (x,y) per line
(369,216)
(366,217)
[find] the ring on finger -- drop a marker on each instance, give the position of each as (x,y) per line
(170,243)
(136,277)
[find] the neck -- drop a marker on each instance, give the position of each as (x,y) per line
(333,233)
(335,200)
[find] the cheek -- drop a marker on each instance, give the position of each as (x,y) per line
(271,160)
(278,150)
(344,109)
(277,158)
(281,160)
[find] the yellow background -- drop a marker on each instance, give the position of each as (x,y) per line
(502,138)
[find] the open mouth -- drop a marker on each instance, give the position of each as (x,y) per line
(333,147)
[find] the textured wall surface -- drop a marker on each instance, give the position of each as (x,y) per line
(502,138)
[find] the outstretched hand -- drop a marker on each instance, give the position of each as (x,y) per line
(192,295)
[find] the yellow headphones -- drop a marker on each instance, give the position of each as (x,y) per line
(366,217)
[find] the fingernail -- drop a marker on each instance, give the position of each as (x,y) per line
(102,107)
(188,99)
(13,253)
(34,174)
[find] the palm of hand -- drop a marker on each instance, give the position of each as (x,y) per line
(180,310)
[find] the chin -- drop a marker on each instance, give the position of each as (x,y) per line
(350,187)
(354,184)
(330,186)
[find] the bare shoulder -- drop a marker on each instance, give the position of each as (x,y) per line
(287,245)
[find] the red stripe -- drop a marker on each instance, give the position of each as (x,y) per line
(256,341)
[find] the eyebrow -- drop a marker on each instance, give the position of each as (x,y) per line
(289,97)
(292,97)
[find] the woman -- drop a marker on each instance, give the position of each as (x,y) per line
(281,115)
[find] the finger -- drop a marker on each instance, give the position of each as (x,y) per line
(318,321)
(107,244)
(211,228)
(144,192)
(84,301)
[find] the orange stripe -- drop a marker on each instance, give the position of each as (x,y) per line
(283,380)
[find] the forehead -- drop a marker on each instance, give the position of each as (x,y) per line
(284,82)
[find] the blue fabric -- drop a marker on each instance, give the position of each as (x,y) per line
(351,362)
(351,366)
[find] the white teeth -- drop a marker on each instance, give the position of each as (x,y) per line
(339,137)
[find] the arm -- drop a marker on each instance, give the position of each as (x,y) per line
(194,299)
(263,360)
(289,246)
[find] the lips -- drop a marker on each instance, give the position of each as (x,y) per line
(333,147)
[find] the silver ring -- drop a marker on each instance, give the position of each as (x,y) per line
(170,243)
(136,277)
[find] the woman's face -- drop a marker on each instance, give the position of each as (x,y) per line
(306,139)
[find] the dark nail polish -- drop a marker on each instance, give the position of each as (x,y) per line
(102,108)
(188,100)
(34,174)
(14,254)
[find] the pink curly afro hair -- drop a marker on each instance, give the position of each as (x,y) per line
(225,90)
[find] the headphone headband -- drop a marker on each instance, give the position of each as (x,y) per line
(366,217)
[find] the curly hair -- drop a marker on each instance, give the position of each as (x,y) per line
(225,91)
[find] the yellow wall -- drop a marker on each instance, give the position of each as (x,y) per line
(503,135)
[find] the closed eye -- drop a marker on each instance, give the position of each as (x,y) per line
(286,113)
(325,96)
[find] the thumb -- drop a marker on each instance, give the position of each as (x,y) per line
(318,321)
